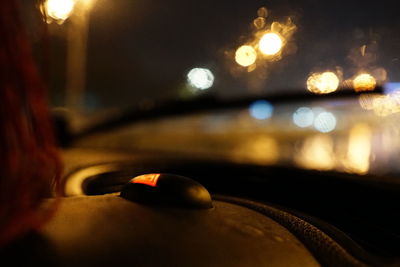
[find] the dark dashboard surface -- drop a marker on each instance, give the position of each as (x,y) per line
(340,205)
(108,230)
(336,171)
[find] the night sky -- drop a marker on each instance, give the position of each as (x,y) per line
(141,50)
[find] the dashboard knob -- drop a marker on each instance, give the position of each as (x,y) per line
(167,190)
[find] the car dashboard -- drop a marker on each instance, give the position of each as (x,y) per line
(276,199)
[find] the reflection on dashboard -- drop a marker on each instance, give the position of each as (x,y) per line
(337,135)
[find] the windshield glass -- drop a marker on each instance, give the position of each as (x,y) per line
(119,53)
(101,56)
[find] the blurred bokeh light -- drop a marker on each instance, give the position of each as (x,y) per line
(245,55)
(325,122)
(200,78)
(303,117)
(366,101)
(59,10)
(270,44)
(261,109)
(323,83)
(316,153)
(364,82)
(384,105)
(359,149)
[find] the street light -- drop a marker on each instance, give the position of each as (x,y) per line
(77,12)
(364,82)
(270,44)
(245,55)
(200,78)
(323,83)
(57,10)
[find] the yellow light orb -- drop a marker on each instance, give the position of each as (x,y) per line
(245,55)
(59,9)
(323,83)
(364,82)
(270,44)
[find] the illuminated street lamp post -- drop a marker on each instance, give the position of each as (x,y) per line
(57,10)
(77,12)
(77,34)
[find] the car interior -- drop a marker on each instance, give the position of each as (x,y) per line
(175,133)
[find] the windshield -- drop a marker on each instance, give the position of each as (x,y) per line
(111,55)
(120,53)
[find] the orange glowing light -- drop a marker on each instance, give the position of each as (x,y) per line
(59,10)
(270,44)
(147,179)
(323,83)
(245,55)
(364,82)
